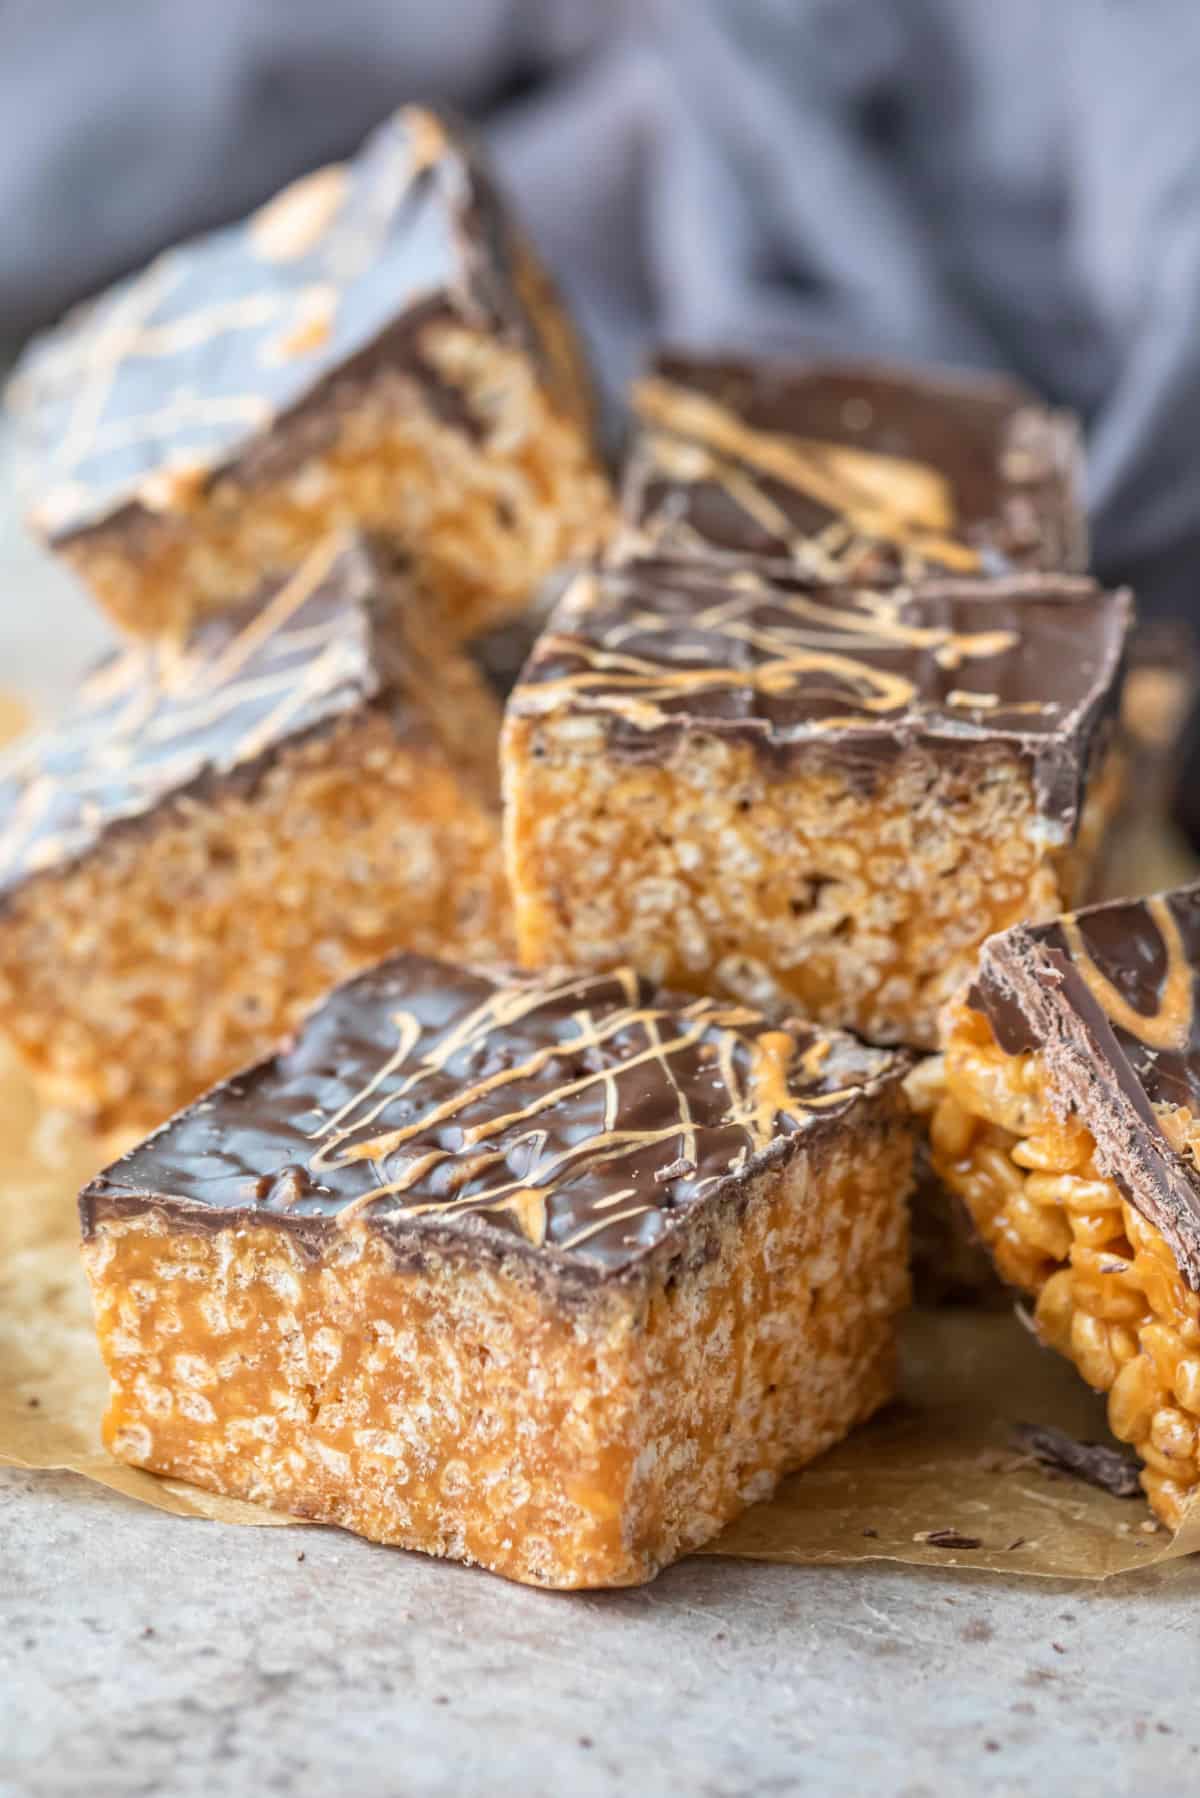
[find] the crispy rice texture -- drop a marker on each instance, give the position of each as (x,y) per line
(485,520)
(476,1408)
(190,942)
(1108,1292)
(708,870)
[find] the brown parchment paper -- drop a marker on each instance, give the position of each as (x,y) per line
(938,1459)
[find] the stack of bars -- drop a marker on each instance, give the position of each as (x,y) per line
(552,1270)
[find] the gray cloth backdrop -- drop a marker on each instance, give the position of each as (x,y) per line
(1007,183)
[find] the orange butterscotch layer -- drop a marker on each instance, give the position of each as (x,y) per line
(552,1276)
(376,347)
(1109,1291)
(831,795)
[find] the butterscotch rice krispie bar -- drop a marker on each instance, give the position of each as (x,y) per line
(851,471)
(803,795)
(377,347)
(551,1274)
(223,830)
(1069,1125)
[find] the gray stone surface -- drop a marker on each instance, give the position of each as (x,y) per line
(141,1653)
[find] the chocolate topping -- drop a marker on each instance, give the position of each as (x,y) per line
(656,648)
(1107,997)
(578,1119)
(853,470)
(160,721)
(182,370)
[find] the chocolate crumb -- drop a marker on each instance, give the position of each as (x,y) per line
(1164,1729)
(1058,1648)
(585,1742)
(148,1632)
(1017,1542)
(34,1404)
(300,1556)
(992,1746)
(441,1698)
(873,1533)
(947,1539)
(1111,1469)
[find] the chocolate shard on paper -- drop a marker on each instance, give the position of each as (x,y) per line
(1112,1469)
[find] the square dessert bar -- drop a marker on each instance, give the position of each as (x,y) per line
(1071,1126)
(554,1274)
(817,796)
(376,347)
(222,831)
(852,471)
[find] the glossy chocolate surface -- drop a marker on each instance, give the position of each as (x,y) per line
(577,1118)
(154,720)
(657,647)
(184,368)
(1108,996)
(854,471)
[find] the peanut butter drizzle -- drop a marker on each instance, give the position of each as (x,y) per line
(754,1107)
(341,216)
(891,498)
(152,719)
(1170,1027)
(769,1091)
(794,653)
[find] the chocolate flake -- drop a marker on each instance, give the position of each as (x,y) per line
(947,1539)
(1111,1469)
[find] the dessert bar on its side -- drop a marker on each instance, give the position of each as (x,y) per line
(1071,1127)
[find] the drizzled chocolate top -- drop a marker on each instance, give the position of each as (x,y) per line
(155,720)
(174,373)
(1108,996)
(578,1118)
(858,472)
(656,647)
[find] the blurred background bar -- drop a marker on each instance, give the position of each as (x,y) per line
(1011,186)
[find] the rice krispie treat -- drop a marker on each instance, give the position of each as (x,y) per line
(852,471)
(220,832)
(817,797)
(377,347)
(554,1274)
(1070,1126)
